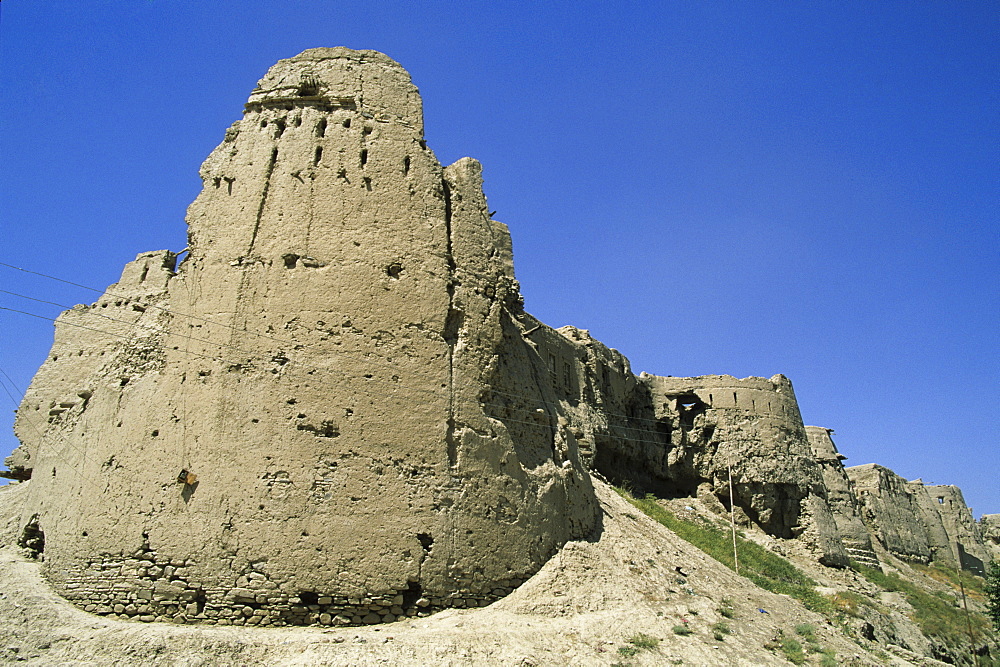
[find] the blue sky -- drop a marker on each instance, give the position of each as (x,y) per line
(710,187)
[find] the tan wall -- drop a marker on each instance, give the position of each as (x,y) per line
(318,362)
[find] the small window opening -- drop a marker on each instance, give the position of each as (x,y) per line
(394,270)
(368,184)
(263,123)
(155,433)
(279,127)
(145,272)
(321,128)
(368,129)
(426,542)
(709,399)
(940,501)
(318,156)
(736,401)
(347,122)
(289,259)
(406,165)
(364,157)
(308,597)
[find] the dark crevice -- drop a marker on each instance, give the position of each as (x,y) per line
(263,198)
(452,444)
(452,327)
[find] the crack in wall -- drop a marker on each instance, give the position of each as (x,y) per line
(263,198)
(452,326)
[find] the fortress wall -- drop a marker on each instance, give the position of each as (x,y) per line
(891,510)
(840,497)
(989,528)
(303,437)
(917,522)
(955,537)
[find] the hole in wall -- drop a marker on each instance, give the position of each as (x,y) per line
(318,155)
(279,127)
(426,542)
(364,157)
(32,538)
(412,593)
(263,123)
(368,184)
(289,260)
(155,433)
(347,122)
(406,165)
(321,128)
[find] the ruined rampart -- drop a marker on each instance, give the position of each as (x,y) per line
(294,427)
(332,408)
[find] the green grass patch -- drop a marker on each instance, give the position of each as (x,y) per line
(720,630)
(725,609)
(849,603)
(682,630)
(806,631)
(935,613)
(792,650)
(769,571)
(642,640)
(628,651)
(956,579)
(828,659)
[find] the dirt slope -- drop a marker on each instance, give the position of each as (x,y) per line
(578,610)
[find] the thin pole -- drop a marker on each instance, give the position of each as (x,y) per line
(968,622)
(732,510)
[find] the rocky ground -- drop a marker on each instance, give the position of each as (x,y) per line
(582,607)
